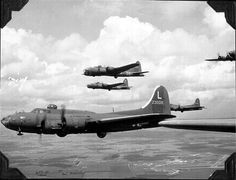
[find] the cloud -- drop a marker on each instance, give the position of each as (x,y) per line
(175,59)
(176,10)
(215,20)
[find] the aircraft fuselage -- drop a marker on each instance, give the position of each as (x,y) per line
(47,121)
(122,74)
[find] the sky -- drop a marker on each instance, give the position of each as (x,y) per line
(46,46)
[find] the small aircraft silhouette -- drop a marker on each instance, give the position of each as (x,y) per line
(192,107)
(130,70)
(62,122)
(229,57)
(117,86)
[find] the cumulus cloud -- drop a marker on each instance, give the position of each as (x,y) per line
(175,59)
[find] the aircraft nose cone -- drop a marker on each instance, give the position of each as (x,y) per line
(86,72)
(4,121)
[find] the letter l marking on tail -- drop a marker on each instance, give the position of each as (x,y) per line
(158,96)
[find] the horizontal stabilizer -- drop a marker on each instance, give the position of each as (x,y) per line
(140,73)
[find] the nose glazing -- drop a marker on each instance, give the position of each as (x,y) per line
(4,121)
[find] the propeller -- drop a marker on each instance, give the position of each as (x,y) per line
(63,119)
(41,130)
(40,139)
(62,132)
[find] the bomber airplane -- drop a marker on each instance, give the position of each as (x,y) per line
(229,57)
(63,122)
(192,107)
(130,70)
(117,86)
(155,113)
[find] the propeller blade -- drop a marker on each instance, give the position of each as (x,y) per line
(63,119)
(40,138)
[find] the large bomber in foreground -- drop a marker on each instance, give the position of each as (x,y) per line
(63,122)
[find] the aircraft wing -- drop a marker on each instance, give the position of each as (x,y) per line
(220,125)
(125,68)
(114,85)
(214,60)
(126,122)
(220,60)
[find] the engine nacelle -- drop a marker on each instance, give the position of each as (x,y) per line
(74,123)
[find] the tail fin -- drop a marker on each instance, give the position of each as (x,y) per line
(136,68)
(125,82)
(197,102)
(159,102)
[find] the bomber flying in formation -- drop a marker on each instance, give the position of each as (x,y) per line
(117,86)
(130,70)
(229,57)
(192,107)
(63,122)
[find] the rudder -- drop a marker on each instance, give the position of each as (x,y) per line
(125,82)
(197,102)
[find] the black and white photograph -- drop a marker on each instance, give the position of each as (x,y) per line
(117,89)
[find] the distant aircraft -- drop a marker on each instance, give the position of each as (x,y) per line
(63,122)
(192,107)
(129,70)
(229,57)
(117,86)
